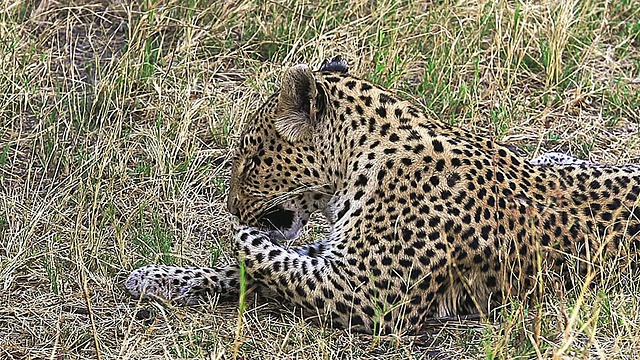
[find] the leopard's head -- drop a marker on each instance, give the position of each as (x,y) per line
(279,176)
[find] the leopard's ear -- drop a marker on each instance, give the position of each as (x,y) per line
(297,108)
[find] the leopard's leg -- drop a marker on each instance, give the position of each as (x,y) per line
(189,284)
(311,276)
(183,284)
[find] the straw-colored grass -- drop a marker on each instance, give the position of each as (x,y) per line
(116,121)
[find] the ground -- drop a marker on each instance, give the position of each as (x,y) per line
(117,118)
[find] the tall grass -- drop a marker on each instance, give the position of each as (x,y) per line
(116,120)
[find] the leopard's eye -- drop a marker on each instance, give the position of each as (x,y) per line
(239,165)
(245,167)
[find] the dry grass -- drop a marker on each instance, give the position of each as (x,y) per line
(115,124)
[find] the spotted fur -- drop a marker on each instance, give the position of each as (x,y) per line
(556,158)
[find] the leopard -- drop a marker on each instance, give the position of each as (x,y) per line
(425,220)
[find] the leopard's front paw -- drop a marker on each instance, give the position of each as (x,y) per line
(165,283)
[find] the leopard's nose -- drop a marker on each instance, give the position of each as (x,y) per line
(232,204)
